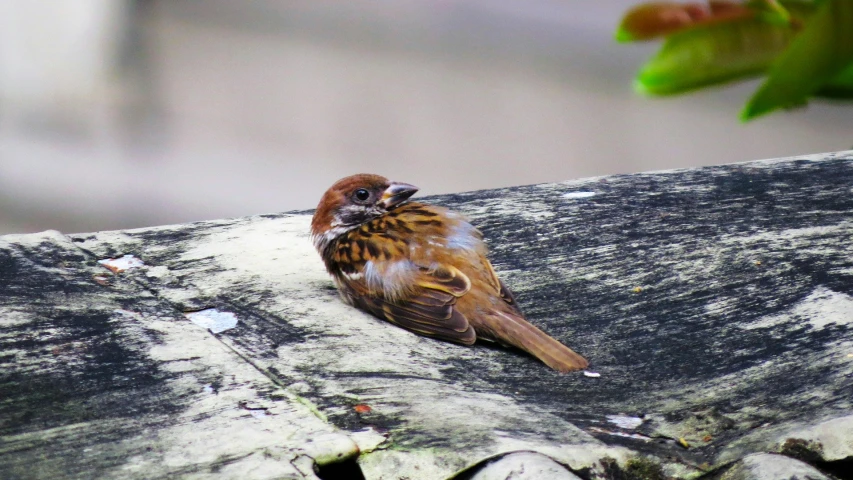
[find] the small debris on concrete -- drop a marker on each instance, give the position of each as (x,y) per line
(620,434)
(255,411)
(362,408)
(625,421)
(587,373)
(213,320)
(118,265)
(574,195)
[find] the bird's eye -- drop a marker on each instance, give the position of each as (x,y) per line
(361,195)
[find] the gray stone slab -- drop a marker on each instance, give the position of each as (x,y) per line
(714,304)
(522,466)
(766,466)
(100,378)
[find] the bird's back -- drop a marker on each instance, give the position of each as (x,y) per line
(391,261)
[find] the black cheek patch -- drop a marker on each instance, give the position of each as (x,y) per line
(353,216)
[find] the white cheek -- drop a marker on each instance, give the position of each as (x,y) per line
(321,241)
(350,209)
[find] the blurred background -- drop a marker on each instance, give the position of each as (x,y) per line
(118,114)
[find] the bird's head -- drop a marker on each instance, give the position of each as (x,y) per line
(352,201)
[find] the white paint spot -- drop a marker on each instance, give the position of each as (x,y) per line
(587,373)
(208,389)
(576,195)
(367,439)
(121,264)
(620,434)
(213,319)
(625,421)
(820,308)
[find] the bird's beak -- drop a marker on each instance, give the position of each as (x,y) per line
(397,193)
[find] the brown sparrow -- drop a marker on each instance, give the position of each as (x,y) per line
(421,267)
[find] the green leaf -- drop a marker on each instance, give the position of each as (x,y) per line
(840,87)
(818,54)
(712,54)
(771,11)
(658,19)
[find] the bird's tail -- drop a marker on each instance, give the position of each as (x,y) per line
(519,333)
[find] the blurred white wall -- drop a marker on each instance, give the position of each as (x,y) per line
(198,109)
(56,55)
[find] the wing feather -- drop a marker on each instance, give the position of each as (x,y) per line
(500,287)
(444,278)
(431,309)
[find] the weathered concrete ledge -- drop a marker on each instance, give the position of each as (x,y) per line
(715,304)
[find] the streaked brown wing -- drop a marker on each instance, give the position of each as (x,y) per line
(501,288)
(431,310)
(508,297)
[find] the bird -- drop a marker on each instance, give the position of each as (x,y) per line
(422,267)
